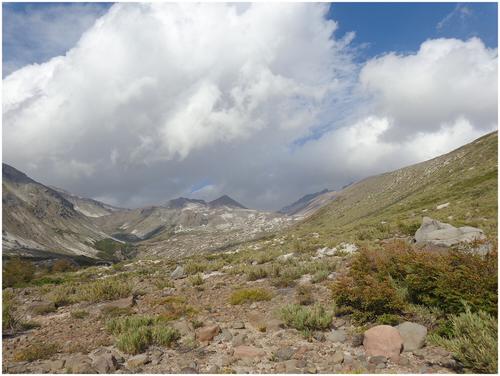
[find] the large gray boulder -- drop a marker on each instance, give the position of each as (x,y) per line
(178,273)
(413,335)
(445,235)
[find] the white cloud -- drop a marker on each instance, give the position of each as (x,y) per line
(445,80)
(156,98)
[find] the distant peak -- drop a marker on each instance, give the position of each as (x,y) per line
(178,203)
(225,200)
(10,173)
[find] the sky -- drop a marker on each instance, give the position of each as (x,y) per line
(134,104)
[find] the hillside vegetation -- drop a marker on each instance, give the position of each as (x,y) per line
(395,202)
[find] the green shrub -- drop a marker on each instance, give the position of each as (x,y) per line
(255,273)
(389,319)
(193,267)
(306,319)
(104,289)
(134,341)
(79,314)
(43,309)
(136,333)
(473,340)
(62,265)
(9,318)
(196,280)
(249,295)
(35,351)
(320,276)
(17,272)
(110,312)
(163,282)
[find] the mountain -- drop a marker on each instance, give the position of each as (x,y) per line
(87,206)
(459,188)
(41,221)
(38,220)
(225,201)
(182,202)
(309,203)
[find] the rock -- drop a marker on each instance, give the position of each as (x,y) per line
(348,359)
(380,366)
(383,340)
(105,363)
(207,333)
(52,366)
(377,359)
(443,234)
(285,353)
(245,352)
(285,257)
(238,325)
(188,370)
(338,323)
(213,369)
(239,339)
(338,357)
(79,363)
(348,248)
(183,327)
(319,336)
(120,303)
(322,252)
(137,361)
(178,273)
(224,335)
(413,335)
(442,206)
(338,335)
(357,340)
(290,366)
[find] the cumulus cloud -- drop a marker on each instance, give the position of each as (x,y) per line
(156,99)
(447,79)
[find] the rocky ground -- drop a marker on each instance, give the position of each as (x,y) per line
(215,335)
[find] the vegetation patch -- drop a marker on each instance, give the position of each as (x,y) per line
(473,340)
(134,334)
(306,319)
(17,272)
(249,295)
(35,351)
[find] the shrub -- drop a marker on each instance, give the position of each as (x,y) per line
(306,319)
(63,294)
(303,294)
(193,267)
(62,265)
(320,276)
(196,280)
(104,289)
(136,333)
(17,272)
(110,312)
(256,273)
(175,307)
(9,318)
(35,351)
(43,309)
(163,282)
(79,314)
(249,295)
(473,340)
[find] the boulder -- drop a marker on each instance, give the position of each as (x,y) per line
(178,273)
(207,333)
(383,340)
(137,361)
(120,303)
(105,363)
(338,335)
(413,335)
(79,363)
(248,352)
(285,353)
(445,235)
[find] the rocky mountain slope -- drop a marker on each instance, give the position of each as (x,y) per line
(459,188)
(43,221)
(38,220)
(301,203)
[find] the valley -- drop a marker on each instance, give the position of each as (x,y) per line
(396,273)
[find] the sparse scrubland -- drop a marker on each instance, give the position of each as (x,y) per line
(299,301)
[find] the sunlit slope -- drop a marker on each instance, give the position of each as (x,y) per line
(394,203)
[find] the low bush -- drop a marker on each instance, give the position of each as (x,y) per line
(17,272)
(319,276)
(62,265)
(249,295)
(255,273)
(79,314)
(386,281)
(136,333)
(196,280)
(104,289)
(306,319)
(473,340)
(175,307)
(36,351)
